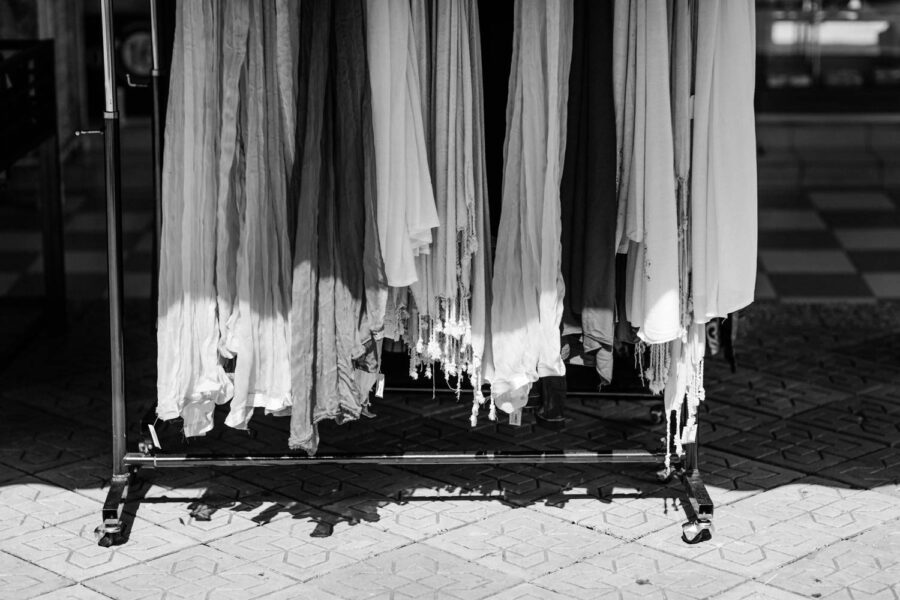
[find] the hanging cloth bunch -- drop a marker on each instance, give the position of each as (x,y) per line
(723,179)
(528,287)
(588,194)
(225,267)
(339,286)
(443,316)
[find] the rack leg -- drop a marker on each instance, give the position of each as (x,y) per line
(699,527)
(112,531)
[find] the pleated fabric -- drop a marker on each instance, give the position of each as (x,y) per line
(339,285)
(406,206)
(723,180)
(191,380)
(588,193)
(528,287)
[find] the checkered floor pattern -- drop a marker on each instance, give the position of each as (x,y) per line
(821,246)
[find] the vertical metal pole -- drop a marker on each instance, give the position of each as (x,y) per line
(114,241)
(156,125)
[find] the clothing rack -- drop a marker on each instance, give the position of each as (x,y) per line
(127,464)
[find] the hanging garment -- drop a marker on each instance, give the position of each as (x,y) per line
(339,287)
(588,192)
(452,277)
(723,178)
(528,287)
(681,70)
(651,225)
(191,380)
(263,273)
(406,208)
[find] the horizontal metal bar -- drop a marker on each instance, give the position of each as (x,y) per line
(570,393)
(827,118)
(400,458)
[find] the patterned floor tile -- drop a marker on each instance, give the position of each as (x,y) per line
(73,592)
(523,542)
(729,478)
(796,445)
(746,542)
(625,519)
(70,549)
(635,571)
(806,261)
(835,201)
(776,219)
(86,478)
(847,569)
(528,591)
(879,471)
(21,580)
(869,239)
(192,573)
(870,418)
(885,285)
(49,504)
(753,590)
(288,548)
(416,572)
(820,505)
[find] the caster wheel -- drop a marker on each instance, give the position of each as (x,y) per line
(107,538)
(656,415)
(695,532)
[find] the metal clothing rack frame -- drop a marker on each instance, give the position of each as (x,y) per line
(126,465)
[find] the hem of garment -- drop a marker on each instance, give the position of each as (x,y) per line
(721,314)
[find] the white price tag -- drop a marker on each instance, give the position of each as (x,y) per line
(515,418)
(154,436)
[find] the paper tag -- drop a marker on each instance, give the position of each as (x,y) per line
(515,418)
(154,436)
(379,387)
(689,434)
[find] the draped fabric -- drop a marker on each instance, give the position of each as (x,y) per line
(406,206)
(650,218)
(191,379)
(339,286)
(528,287)
(723,180)
(225,270)
(262,370)
(588,191)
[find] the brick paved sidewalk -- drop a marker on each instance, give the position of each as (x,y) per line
(799,453)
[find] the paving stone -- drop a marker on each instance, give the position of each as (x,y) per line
(416,572)
(523,543)
(22,580)
(823,506)
(528,591)
(870,418)
(27,498)
(753,590)
(73,592)
(847,569)
(192,573)
(288,547)
(747,542)
(635,571)
(796,445)
(70,549)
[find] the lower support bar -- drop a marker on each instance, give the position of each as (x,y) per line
(402,458)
